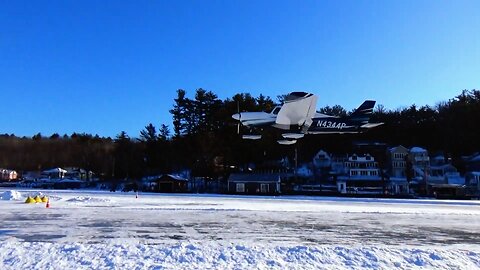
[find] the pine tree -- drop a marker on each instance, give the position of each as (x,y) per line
(164,132)
(181,114)
(149,134)
(335,110)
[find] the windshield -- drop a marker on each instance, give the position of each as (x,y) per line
(275,110)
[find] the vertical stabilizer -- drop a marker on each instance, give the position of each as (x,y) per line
(362,113)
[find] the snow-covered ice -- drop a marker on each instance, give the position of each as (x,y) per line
(102,230)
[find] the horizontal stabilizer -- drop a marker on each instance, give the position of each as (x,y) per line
(294,136)
(371,125)
(286,142)
(251,137)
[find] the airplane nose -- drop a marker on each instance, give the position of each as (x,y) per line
(236,116)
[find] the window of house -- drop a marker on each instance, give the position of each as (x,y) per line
(264,188)
(241,187)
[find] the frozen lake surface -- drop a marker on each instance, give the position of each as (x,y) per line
(95,229)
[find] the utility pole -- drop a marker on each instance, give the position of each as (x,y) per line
(296,164)
(425,176)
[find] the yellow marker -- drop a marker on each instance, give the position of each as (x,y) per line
(30,200)
(44,199)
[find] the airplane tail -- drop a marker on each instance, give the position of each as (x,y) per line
(362,113)
(298,109)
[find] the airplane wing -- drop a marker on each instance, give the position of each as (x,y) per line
(298,109)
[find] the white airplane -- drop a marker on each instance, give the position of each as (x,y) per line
(298,114)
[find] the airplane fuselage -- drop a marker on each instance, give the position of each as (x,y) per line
(337,125)
(255,118)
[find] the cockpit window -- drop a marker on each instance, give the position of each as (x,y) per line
(276,110)
(296,95)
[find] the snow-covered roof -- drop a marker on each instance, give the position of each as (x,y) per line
(154,178)
(55,170)
(176,177)
(418,150)
(322,152)
(395,148)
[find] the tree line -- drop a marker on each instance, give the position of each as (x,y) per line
(205,139)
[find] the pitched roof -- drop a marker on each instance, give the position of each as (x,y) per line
(396,148)
(417,150)
(55,170)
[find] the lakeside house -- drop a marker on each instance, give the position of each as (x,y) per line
(167,183)
(268,183)
(8,175)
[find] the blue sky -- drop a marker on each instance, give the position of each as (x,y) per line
(101,67)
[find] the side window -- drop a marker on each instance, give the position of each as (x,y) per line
(276,110)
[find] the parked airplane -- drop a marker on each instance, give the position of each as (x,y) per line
(298,115)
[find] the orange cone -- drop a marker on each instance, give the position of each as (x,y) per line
(48,204)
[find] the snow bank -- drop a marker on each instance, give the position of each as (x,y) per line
(11,195)
(20,255)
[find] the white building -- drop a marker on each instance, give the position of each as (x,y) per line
(420,161)
(362,176)
(55,173)
(397,157)
(362,166)
(322,160)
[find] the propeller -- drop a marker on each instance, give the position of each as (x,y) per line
(239,117)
